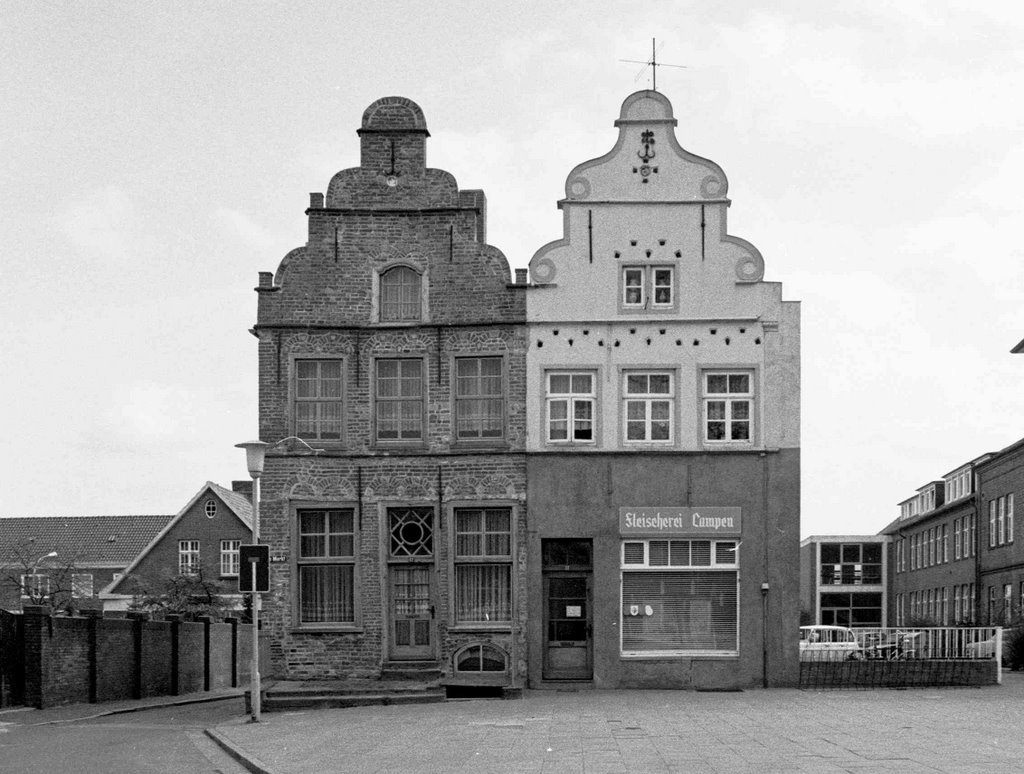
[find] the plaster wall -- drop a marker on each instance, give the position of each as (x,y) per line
(572,496)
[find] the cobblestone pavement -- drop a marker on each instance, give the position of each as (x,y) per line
(956,730)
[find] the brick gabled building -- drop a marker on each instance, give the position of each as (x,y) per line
(202,539)
(392,392)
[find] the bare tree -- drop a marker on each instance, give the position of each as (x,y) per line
(40,577)
(191,595)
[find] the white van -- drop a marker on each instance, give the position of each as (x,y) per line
(829,643)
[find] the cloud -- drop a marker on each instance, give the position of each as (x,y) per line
(100,224)
(146,411)
(240,225)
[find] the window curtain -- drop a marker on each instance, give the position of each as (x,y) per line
(325,593)
(483,593)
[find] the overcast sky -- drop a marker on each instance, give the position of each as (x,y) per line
(155,157)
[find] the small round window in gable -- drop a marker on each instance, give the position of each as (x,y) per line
(211,508)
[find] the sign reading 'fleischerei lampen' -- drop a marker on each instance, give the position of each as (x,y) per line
(710,520)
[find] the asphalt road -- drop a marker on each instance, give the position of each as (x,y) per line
(153,741)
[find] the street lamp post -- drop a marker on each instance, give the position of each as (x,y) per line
(32,571)
(254,454)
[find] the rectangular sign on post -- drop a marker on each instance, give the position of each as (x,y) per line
(254,568)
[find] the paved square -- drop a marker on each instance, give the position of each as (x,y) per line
(956,730)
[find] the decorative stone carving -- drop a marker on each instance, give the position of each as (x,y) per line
(543,271)
(400,487)
(712,187)
(310,485)
(469,486)
(331,343)
(579,188)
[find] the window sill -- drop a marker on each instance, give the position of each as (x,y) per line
(400,446)
(497,626)
(640,310)
(498,444)
(326,629)
(675,655)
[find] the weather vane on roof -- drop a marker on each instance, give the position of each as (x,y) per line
(653,63)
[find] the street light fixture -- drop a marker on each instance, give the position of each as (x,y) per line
(255,452)
(35,564)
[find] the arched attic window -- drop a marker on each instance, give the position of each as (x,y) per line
(399,295)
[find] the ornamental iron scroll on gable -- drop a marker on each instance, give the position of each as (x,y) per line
(645,170)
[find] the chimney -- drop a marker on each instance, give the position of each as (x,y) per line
(521,276)
(243,488)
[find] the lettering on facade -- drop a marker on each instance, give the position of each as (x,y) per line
(709,520)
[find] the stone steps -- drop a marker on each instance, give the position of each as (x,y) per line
(415,685)
(275,702)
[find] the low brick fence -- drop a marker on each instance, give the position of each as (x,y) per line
(912,673)
(95,658)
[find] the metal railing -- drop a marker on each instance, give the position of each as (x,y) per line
(899,657)
(970,643)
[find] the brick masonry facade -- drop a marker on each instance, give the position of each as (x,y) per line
(324,304)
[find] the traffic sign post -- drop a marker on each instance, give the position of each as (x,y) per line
(254,575)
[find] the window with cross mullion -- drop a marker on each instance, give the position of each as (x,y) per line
(326,566)
(399,400)
(318,399)
(570,407)
(483,565)
(648,407)
(728,407)
(479,399)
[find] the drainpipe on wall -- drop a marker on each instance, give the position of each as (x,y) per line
(764,636)
(764,570)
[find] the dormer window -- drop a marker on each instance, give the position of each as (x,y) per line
(399,295)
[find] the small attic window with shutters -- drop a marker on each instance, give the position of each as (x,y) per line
(210,508)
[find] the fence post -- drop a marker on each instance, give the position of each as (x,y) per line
(234,650)
(999,655)
(175,621)
(35,619)
(138,618)
(93,617)
(206,651)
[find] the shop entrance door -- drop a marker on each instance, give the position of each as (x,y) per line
(568,624)
(567,628)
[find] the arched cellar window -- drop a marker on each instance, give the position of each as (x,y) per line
(480,658)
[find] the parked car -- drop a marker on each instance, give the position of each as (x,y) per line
(983,649)
(829,643)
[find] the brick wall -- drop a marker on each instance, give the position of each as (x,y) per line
(79,659)
(323,302)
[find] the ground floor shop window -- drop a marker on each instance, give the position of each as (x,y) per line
(680,596)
